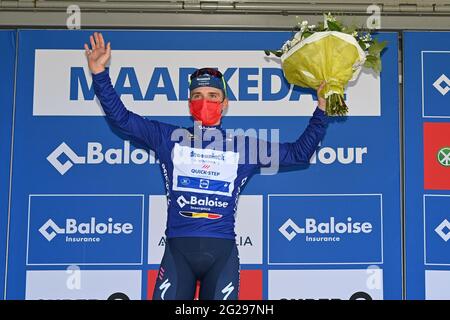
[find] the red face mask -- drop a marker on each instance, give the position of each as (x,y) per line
(208,112)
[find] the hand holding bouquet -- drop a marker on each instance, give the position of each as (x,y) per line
(328,52)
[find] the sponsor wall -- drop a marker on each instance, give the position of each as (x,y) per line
(88,207)
(7,71)
(427,160)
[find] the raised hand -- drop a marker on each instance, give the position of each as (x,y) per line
(322,101)
(99,55)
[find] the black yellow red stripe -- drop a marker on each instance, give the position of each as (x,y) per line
(197,215)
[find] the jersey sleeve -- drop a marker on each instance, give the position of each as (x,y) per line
(300,151)
(144,131)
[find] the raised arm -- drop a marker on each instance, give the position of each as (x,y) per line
(300,151)
(144,131)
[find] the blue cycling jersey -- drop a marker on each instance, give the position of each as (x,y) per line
(203,177)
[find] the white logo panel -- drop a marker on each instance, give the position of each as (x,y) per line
(83,284)
(437,284)
(52,91)
(248,228)
(326,284)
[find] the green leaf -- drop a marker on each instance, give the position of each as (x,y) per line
(378,65)
(376,48)
(362,45)
(320,26)
(373,62)
(333,26)
(306,34)
(278,53)
(369,63)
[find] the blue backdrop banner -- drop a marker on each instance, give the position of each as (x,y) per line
(7,72)
(427,160)
(88,203)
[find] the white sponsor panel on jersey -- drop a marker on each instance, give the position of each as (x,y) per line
(437,284)
(77,284)
(67,90)
(248,228)
(326,284)
(204,170)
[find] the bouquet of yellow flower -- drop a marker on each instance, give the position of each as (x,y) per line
(332,52)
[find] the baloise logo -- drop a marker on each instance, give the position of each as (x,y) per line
(443,89)
(201,202)
(324,231)
(96,155)
(86,231)
(443,230)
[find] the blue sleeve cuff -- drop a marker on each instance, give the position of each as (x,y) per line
(319,111)
(101,75)
(321,115)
